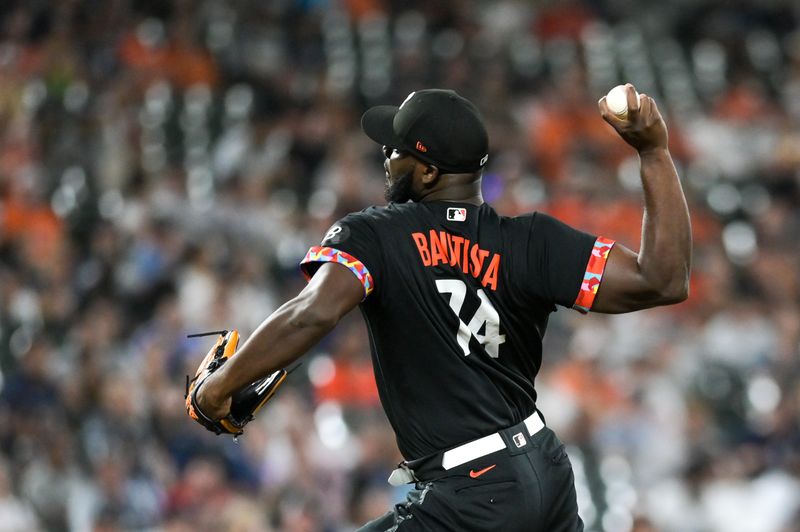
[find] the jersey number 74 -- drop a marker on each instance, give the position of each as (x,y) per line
(486,318)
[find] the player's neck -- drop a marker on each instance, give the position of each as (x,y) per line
(456,188)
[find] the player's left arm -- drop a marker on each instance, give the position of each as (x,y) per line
(284,336)
(659,273)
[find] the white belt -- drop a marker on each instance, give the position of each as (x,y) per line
(470,451)
(486,445)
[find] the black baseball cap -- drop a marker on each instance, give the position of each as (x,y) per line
(437,126)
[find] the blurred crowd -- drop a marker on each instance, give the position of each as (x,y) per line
(164,166)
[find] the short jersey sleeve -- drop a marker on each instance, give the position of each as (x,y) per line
(352,243)
(565,265)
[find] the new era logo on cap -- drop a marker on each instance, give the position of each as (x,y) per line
(456,214)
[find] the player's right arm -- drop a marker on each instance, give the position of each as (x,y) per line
(659,273)
(338,282)
(284,336)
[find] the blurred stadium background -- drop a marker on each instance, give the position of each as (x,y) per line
(165,165)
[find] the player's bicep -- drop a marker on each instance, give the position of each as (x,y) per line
(333,291)
(624,288)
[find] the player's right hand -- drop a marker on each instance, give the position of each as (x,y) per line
(643,127)
(232,414)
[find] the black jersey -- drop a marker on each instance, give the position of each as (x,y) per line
(456,305)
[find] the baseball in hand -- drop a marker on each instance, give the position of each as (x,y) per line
(617,101)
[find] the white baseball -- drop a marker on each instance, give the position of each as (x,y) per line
(617,101)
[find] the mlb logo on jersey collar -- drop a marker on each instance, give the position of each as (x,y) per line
(456,214)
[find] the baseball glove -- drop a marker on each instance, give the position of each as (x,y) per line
(244,402)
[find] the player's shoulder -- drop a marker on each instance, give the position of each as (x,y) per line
(393,210)
(531,219)
(366,223)
(532,223)
(518,221)
(381,214)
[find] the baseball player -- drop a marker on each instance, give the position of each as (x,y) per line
(456,300)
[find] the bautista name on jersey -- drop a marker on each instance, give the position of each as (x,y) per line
(441,247)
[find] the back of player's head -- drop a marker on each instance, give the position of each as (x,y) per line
(435,125)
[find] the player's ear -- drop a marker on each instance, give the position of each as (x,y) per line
(430,173)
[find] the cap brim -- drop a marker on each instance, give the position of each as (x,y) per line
(377,123)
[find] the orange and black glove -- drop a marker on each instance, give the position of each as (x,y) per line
(244,402)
